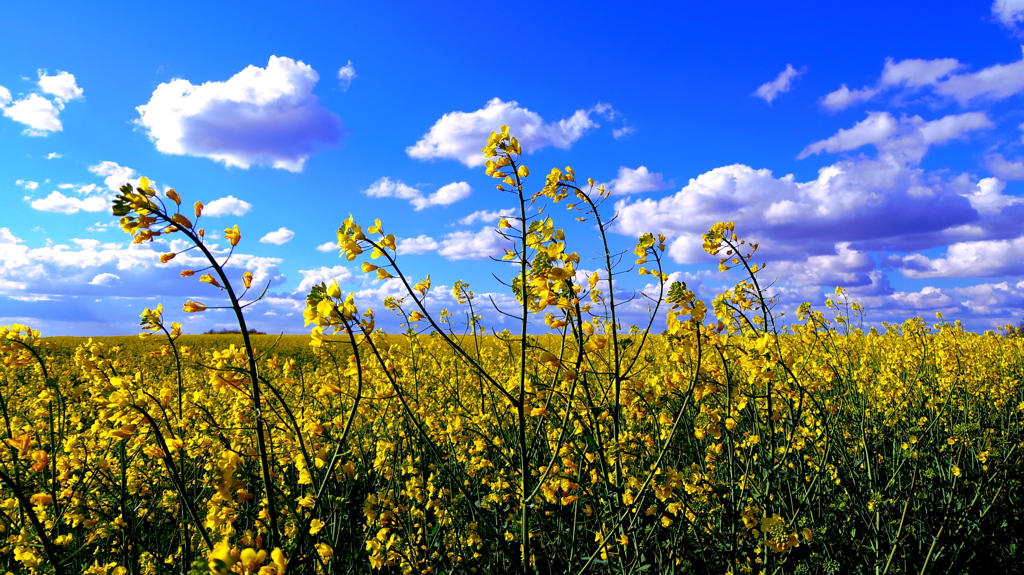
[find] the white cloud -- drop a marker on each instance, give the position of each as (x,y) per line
(62,85)
(844,97)
(953,126)
(983,258)
(58,202)
(5,96)
(27,184)
(116,175)
(6,237)
(461,135)
(327,247)
(907,139)
(996,82)
(929,298)
(782,83)
(61,269)
(229,206)
(1009,12)
(875,129)
(279,237)
(36,112)
(444,196)
(68,274)
(845,267)
(467,245)
(346,74)
(485,216)
(265,116)
(915,72)
(989,298)
(53,156)
(622,132)
(988,197)
(943,75)
(638,181)
(386,188)
(419,245)
(104,279)
(1005,169)
(871,204)
(323,274)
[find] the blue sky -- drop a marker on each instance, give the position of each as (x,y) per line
(878,146)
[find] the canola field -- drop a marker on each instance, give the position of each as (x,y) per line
(713,441)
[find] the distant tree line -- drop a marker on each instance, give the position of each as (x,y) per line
(232,331)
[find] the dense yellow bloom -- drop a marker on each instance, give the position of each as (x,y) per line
(726,439)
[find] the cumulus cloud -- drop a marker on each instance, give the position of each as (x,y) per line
(907,139)
(467,245)
(444,196)
(461,135)
(229,206)
(61,85)
(278,237)
(322,274)
(984,258)
(386,188)
(327,247)
(265,116)
(991,298)
(996,82)
(104,279)
(346,74)
(6,237)
(912,73)
(782,83)
(916,72)
(115,175)
(1009,12)
(27,184)
(869,203)
(945,77)
(877,128)
(76,279)
(622,132)
(844,97)
(61,269)
(988,197)
(1005,169)
(58,202)
(638,181)
(485,216)
(845,267)
(40,115)
(421,244)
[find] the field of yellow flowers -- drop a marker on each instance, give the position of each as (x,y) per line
(705,444)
